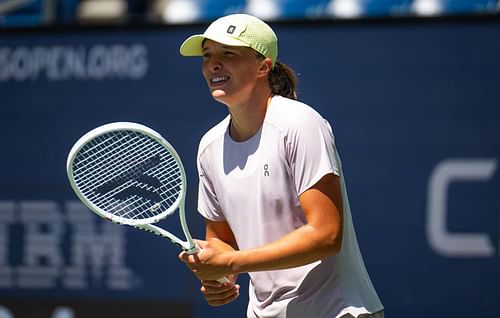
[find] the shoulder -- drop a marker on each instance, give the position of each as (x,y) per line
(212,135)
(286,114)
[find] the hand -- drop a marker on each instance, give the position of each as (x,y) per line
(217,294)
(212,262)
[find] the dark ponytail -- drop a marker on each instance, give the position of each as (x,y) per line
(283,81)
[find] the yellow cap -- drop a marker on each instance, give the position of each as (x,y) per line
(236,30)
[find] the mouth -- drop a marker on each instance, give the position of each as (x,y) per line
(218,80)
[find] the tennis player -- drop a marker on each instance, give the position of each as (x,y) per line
(271,187)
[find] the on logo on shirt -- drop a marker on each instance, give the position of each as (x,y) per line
(266,170)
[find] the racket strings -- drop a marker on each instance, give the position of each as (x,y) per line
(92,150)
(170,188)
(91,167)
(129,175)
(108,174)
(86,159)
(88,170)
(122,209)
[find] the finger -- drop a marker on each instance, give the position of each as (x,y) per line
(219,293)
(181,256)
(184,257)
(211,283)
(190,259)
(201,244)
(206,290)
(223,299)
(213,295)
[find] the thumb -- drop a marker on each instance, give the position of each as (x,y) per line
(184,257)
(201,244)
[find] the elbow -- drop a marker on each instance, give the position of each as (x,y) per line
(328,239)
(330,244)
(334,244)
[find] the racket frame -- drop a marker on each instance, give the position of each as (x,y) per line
(189,245)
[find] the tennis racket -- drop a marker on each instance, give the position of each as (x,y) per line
(129,174)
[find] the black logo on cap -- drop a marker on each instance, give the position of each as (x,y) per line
(231,29)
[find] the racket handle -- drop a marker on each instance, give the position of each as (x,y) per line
(223,280)
(195,250)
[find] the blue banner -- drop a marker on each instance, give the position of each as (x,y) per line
(415,112)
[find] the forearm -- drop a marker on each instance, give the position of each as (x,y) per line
(300,247)
(319,237)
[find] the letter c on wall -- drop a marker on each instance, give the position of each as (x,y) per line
(442,241)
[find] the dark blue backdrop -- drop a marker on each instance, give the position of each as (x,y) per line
(414,107)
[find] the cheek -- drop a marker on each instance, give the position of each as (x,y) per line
(248,75)
(204,69)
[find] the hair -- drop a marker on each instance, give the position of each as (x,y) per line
(283,81)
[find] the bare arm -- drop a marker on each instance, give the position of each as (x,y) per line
(217,294)
(320,237)
(220,231)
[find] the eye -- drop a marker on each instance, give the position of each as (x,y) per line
(206,55)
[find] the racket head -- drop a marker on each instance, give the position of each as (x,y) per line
(128,173)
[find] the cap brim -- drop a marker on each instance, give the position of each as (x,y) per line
(192,46)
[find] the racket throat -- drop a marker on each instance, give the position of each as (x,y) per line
(186,246)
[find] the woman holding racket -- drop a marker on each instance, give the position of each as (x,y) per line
(271,187)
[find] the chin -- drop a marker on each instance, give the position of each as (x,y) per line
(219,96)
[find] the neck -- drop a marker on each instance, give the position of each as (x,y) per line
(247,119)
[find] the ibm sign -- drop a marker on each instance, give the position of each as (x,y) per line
(60,246)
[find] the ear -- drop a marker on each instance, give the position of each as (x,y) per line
(265,68)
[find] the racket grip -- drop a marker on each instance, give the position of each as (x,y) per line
(223,280)
(196,249)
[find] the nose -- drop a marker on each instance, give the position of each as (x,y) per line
(214,64)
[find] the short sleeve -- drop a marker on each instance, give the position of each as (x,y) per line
(311,151)
(208,204)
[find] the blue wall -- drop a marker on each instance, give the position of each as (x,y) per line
(414,107)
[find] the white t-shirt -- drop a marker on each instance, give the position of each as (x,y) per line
(255,186)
